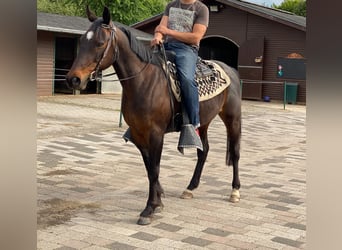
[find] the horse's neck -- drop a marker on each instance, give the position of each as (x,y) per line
(127,63)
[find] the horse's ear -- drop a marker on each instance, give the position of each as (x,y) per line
(91,16)
(106,15)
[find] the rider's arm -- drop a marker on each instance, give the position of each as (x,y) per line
(193,37)
(158,36)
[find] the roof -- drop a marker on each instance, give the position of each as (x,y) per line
(276,15)
(74,25)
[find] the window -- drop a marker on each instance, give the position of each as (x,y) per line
(292,67)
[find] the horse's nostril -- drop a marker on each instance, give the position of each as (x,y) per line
(75,82)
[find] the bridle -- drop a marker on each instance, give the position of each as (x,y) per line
(94,74)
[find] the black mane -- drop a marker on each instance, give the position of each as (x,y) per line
(142,51)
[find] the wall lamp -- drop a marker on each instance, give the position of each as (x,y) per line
(214,8)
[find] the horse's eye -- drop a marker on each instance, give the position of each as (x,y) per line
(100,44)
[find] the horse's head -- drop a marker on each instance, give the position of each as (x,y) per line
(96,51)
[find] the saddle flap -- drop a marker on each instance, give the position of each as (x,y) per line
(170,55)
(202,69)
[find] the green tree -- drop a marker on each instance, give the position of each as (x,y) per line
(62,7)
(297,7)
(123,11)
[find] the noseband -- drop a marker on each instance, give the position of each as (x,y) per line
(93,75)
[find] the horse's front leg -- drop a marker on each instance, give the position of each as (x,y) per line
(151,156)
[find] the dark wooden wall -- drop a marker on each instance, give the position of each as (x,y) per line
(280,40)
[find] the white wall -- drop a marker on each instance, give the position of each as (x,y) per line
(110,84)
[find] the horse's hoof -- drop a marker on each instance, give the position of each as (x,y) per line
(235,196)
(187,194)
(144,221)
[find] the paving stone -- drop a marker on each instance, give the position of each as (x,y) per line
(144,236)
(95,248)
(45,244)
(65,248)
(164,243)
(281,208)
(80,189)
(97,241)
(120,246)
(82,157)
(75,244)
(219,246)
(238,244)
(295,225)
(168,227)
(196,241)
(215,231)
(287,241)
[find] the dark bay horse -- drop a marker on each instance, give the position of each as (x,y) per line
(147,103)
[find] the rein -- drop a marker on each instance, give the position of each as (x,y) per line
(168,78)
(94,75)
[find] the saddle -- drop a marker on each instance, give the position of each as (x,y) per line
(202,68)
(210,78)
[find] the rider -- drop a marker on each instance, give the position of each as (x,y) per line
(183,25)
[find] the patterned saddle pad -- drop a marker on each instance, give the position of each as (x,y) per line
(210,78)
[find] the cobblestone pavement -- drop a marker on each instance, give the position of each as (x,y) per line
(92,185)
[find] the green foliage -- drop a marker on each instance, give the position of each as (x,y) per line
(123,11)
(297,7)
(61,7)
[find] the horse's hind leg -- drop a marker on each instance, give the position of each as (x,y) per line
(201,158)
(233,155)
(232,120)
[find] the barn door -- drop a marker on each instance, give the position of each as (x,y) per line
(250,67)
(65,52)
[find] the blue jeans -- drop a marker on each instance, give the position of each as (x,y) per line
(185,60)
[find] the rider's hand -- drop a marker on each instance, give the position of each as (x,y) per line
(157,39)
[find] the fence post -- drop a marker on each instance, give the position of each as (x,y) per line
(285,94)
(241,83)
(120,118)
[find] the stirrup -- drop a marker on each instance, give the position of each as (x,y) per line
(127,135)
(189,139)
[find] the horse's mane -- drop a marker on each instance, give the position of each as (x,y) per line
(145,54)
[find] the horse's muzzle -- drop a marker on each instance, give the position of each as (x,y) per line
(73,82)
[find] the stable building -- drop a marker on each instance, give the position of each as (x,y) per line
(266,46)
(57,45)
